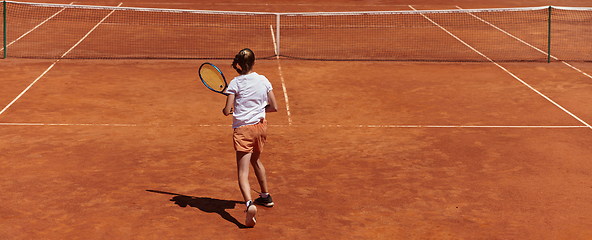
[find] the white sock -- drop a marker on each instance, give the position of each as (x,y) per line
(249,203)
(264,195)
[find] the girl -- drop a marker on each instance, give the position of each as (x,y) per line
(250,96)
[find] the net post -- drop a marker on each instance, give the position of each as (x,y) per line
(277,50)
(549,43)
(4,26)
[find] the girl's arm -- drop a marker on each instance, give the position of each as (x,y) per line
(271,103)
(229,104)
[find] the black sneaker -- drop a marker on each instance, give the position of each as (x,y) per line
(265,201)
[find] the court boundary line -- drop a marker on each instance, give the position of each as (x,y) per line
(275,4)
(526,43)
(503,68)
(56,61)
(281,76)
(15,124)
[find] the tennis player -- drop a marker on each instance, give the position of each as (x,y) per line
(250,96)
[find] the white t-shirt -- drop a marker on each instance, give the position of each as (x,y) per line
(250,93)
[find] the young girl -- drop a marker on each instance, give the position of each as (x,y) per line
(250,96)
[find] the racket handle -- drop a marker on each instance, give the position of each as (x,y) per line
(231,111)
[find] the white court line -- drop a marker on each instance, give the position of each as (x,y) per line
(279,125)
(281,76)
(505,70)
(463,126)
(39,25)
(277,4)
(528,44)
(68,124)
(112,125)
(55,62)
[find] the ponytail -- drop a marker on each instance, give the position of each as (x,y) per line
(245,60)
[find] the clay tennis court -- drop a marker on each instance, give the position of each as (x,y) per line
(139,149)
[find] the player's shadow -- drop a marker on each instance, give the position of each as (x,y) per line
(209,205)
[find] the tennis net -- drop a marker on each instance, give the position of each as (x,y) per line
(35,30)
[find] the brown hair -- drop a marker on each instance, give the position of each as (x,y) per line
(245,60)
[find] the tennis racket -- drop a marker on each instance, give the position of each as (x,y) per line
(212,77)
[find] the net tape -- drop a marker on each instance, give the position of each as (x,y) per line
(157,10)
(165,10)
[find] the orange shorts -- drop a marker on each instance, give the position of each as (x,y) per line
(250,138)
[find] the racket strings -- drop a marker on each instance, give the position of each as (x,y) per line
(212,78)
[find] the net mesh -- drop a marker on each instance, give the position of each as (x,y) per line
(2,29)
(516,34)
(134,33)
(571,34)
(415,35)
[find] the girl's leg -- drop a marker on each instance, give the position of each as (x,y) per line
(242,164)
(259,171)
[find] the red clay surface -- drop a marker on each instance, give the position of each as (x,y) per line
(139,149)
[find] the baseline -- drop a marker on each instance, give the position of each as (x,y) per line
(280,125)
